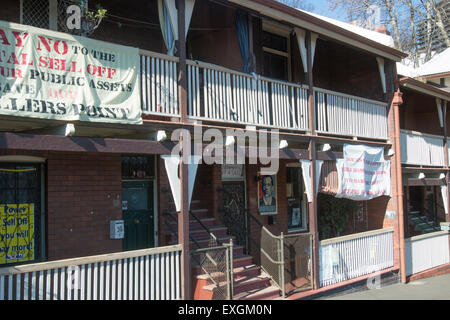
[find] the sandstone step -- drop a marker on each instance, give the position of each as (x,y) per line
(238,261)
(199,213)
(246,284)
(268,293)
(246,271)
(250,283)
(204,240)
(240,273)
(194,224)
(238,251)
(218,231)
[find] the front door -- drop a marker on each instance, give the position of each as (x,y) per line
(234,215)
(138,215)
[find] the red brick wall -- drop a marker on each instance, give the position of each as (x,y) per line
(83,194)
(81,191)
(165,205)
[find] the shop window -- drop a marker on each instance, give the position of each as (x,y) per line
(296,200)
(20,213)
(138,167)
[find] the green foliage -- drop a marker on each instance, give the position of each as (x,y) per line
(100,13)
(333,215)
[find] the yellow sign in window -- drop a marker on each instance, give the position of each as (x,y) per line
(16,232)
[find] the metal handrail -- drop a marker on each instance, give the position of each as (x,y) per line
(203,226)
(175,232)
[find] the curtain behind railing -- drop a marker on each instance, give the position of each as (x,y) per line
(240,20)
(166,27)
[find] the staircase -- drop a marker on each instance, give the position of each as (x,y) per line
(421,223)
(249,280)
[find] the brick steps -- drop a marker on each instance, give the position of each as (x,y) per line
(266,293)
(249,282)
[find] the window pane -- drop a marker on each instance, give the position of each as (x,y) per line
(274,41)
(136,198)
(36,13)
(275,66)
(137,167)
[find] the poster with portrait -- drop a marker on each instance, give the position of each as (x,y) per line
(267,194)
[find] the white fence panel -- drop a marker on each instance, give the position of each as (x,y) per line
(159,85)
(343,114)
(223,95)
(353,256)
(426,251)
(113,276)
(421,149)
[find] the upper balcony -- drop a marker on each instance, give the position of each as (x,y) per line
(348,87)
(222,95)
(422,120)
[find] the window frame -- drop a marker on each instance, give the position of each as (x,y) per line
(41,229)
(303,203)
(52,14)
(282,31)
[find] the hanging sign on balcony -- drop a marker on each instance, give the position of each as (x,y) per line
(363,173)
(53,75)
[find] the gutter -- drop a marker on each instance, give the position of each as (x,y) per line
(427,89)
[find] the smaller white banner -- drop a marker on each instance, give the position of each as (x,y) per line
(444,198)
(363,174)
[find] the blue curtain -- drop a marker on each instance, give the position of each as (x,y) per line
(166,28)
(242,35)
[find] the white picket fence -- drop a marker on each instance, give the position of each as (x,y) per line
(148,274)
(356,255)
(344,114)
(421,149)
(426,251)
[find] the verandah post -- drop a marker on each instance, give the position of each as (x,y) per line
(313,227)
(183,216)
(394,99)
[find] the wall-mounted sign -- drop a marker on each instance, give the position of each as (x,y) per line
(53,75)
(267,194)
(116,229)
(232,171)
(16,232)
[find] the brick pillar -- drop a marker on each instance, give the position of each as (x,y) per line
(396,174)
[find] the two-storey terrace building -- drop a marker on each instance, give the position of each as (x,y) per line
(93,129)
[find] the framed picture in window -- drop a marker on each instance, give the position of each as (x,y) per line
(267,194)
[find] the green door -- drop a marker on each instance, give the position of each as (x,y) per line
(137,210)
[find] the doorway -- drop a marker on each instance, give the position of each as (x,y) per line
(138,215)
(138,202)
(233,214)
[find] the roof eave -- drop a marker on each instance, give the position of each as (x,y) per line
(419,86)
(291,15)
